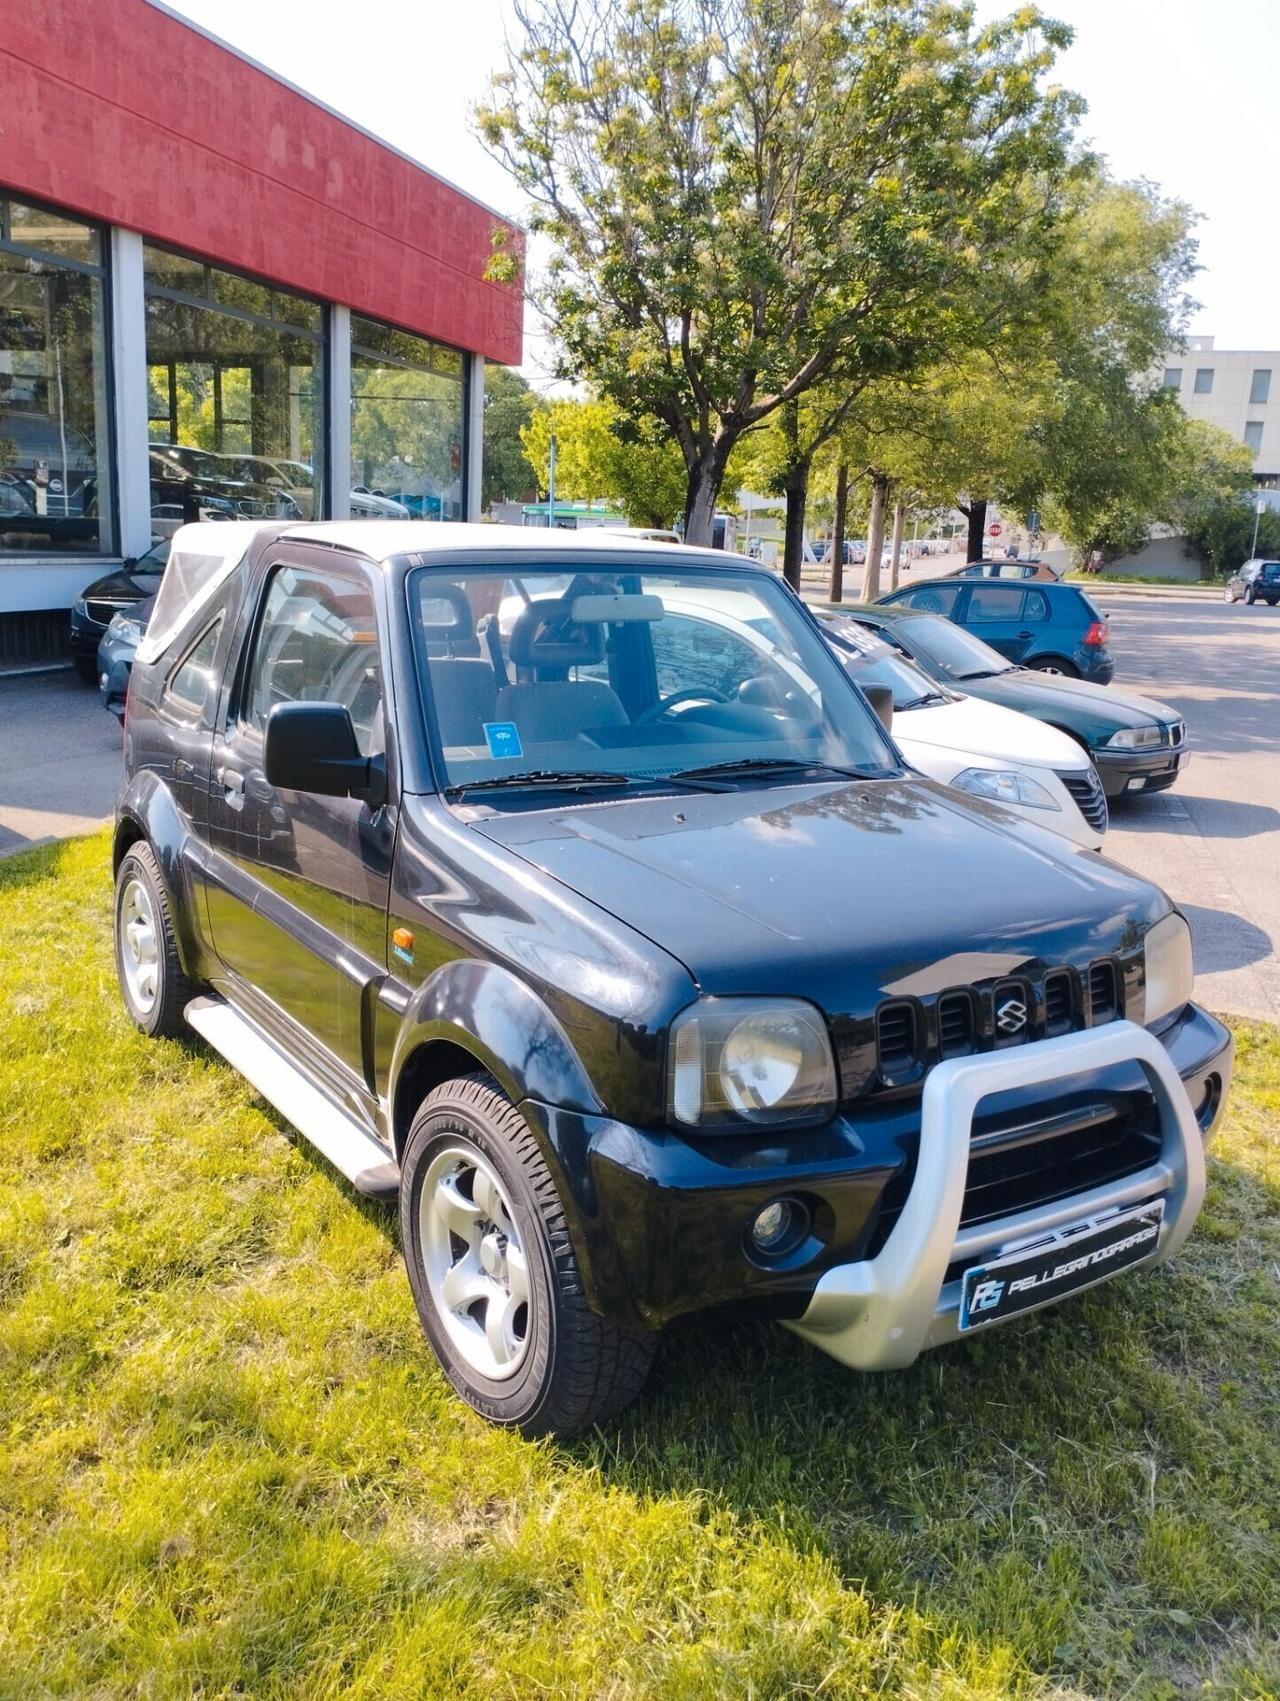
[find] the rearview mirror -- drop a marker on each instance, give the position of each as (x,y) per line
(312,747)
(880,698)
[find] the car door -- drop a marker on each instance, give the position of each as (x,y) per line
(995,613)
(299,884)
(935,597)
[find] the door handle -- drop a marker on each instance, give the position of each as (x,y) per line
(1026,634)
(232,783)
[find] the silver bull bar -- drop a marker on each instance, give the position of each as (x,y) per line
(881,1313)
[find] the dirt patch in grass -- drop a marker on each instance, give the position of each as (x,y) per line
(231,1467)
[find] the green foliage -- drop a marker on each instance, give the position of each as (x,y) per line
(509,405)
(601,455)
(1220,530)
(747,197)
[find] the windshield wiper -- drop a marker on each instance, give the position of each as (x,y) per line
(774,765)
(924,702)
(567,778)
(984,673)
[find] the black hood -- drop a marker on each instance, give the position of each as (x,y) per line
(122,585)
(838,893)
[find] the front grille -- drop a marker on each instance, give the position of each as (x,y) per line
(956,1028)
(1175,734)
(912,1034)
(897,1038)
(1104,997)
(1086,789)
(103,612)
(1059,1003)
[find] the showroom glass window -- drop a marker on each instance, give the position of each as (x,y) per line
(235,396)
(55,452)
(407,410)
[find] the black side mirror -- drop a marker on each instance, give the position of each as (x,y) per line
(312,747)
(880,698)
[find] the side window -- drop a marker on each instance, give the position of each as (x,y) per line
(938,599)
(993,601)
(188,686)
(692,654)
(317,642)
(1035,608)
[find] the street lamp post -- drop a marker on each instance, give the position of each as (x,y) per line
(551,485)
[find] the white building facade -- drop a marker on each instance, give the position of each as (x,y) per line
(1237,389)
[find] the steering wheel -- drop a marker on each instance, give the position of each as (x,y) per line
(690,694)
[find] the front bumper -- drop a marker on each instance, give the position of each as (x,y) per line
(1139,770)
(660,1222)
(84,635)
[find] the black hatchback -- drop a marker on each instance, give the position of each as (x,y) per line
(1255,581)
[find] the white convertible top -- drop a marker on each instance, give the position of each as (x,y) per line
(202,557)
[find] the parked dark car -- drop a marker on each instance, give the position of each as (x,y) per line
(1051,627)
(1137,744)
(1255,581)
(116,652)
(120,590)
(555,939)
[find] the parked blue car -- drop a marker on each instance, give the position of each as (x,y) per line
(1053,628)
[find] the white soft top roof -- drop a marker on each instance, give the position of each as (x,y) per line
(204,555)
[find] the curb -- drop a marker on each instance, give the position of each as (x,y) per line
(1198,593)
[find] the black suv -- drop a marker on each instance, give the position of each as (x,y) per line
(566,889)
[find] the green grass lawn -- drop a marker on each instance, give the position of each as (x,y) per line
(229,1466)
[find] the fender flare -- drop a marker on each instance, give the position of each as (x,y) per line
(490,1013)
(148,813)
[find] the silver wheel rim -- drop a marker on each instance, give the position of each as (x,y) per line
(139,945)
(474,1262)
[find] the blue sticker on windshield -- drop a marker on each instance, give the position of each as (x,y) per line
(503,739)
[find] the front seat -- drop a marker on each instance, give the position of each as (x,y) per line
(546,705)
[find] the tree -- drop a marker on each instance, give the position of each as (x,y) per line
(602,456)
(509,404)
(746,198)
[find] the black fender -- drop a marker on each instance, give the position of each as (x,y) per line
(147,811)
(490,1013)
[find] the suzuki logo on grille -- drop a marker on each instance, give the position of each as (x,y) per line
(1011,1017)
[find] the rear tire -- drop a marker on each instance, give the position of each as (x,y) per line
(1055,664)
(494,1274)
(153,985)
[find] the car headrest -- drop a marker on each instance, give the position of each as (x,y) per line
(444,612)
(547,636)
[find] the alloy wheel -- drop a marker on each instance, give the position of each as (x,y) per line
(139,945)
(474,1262)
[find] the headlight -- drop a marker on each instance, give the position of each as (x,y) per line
(1170,976)
(80,606)
(1134,738)
(750,1060)
(123,626)
(1005,785)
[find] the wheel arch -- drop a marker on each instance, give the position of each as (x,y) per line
(470,1016)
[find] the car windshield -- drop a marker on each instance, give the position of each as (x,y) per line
(624,675)
(870,661)
(954,653)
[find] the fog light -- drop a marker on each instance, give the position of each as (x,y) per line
(779,1227)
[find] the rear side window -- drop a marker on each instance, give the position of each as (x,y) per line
(1035,607)
(990,601)
(189,683)
(317,643)
(938,599)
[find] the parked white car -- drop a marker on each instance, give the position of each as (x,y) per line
(978,747)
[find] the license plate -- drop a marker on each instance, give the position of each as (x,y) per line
(1075,1258)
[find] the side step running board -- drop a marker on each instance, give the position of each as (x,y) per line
(330,1130)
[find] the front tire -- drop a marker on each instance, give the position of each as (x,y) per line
(494,1275)
(153,985)
(1250,595)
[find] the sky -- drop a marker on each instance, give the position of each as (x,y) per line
(1180,92)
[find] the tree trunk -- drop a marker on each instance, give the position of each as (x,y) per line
(875,537)
(977,527)
(703,492)
(899,516)
(836,590)
(795,487)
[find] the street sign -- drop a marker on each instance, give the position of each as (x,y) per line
(1033,520)
(994,530)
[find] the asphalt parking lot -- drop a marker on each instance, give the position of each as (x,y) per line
(1213,841)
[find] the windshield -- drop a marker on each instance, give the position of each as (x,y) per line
(627,675)
(954,653)
(870,661)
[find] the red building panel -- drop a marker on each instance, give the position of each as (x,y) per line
(123,113)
